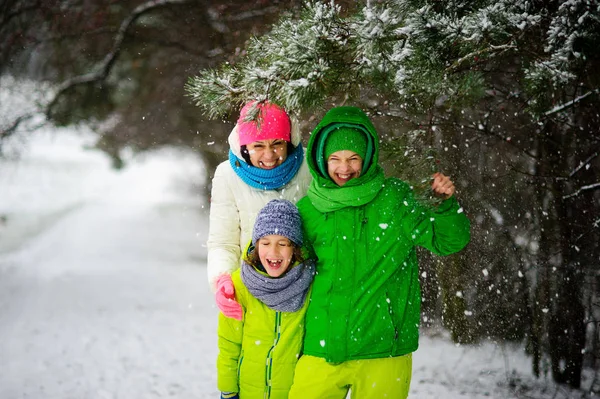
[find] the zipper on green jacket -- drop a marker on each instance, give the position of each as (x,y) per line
(241,359)
(391,312)
(269,362)
(363,222)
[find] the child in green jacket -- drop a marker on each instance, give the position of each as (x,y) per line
(362,323)
(258,354)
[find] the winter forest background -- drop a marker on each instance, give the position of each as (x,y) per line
(501,95)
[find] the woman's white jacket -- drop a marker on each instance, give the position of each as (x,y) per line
(234,206)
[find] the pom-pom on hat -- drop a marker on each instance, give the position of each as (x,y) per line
(346,138)
(279,217)
(271,123)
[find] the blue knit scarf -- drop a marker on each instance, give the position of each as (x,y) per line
(268,179)
(286,293)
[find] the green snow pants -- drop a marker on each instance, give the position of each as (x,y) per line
(388,377)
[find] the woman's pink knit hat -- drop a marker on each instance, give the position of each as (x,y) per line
(272,123)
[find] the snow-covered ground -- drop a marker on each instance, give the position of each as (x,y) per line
(103,291)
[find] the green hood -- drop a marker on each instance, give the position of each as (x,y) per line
(325,194)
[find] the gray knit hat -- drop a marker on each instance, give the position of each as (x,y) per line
(279,217)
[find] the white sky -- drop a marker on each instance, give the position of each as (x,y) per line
(103,290)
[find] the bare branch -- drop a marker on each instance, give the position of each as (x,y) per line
(5,133)
(109,60)
(595,225)
(581,165)
(68,36)
(252,14)
(23,10)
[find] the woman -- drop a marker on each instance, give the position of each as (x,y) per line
(266,161)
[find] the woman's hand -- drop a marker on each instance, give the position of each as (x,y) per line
(225,297)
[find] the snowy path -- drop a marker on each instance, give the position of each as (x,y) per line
(89,314)
(111,300)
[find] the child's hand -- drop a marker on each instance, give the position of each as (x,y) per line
(230,395)
(442,186)
(225,297)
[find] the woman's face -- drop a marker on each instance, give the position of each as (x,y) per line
(267,154)
(344,165)
(275,253)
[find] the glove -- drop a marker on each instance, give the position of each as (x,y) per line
(225,297)
(230,395)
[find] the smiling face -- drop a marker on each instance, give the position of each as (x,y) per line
(267,154)
(344,165)
(275,253)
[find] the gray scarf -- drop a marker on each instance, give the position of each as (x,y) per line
(286,293)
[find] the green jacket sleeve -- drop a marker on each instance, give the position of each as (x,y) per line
(230,333)
(444,230)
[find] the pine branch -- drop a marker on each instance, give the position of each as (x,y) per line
(475,54)
(216,92)
(299,64)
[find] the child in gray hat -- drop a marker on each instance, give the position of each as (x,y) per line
(258,354)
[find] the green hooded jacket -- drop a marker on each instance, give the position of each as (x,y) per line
(366,295)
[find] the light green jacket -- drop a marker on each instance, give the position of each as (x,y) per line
(257,355)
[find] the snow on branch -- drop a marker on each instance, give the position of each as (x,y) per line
(296,64)
(582,189)
(474,55)
(584,163)
(214,91)
(562,107)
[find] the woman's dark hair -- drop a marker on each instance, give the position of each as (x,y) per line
(246,154)
(254,259)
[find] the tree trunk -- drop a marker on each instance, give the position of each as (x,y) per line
(566,330)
